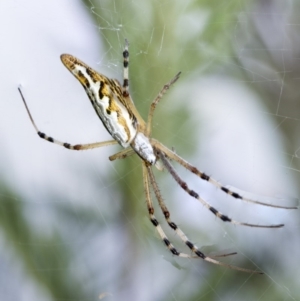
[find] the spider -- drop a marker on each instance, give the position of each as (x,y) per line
(113,104)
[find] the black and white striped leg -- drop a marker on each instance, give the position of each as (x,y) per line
(166,214)
(64,144)
(126,70)
(172,225)
(182,235)
(153,219)
(195,195)
(173,156)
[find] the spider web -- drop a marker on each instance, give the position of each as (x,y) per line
(74,226)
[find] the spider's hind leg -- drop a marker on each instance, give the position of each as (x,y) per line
(148,173)
(160,150)
(153,219)
(173,156)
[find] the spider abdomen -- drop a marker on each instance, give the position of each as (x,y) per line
(106,97)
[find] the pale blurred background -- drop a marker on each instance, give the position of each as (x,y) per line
(73,225)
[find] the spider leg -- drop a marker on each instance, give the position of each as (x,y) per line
(127,152)
(164,208)
(166,214)
(181,234)
(153,219)
(173,156)
(125,87)
(233,267)
(165,88)
(195,195)
(64,144)
(223,255)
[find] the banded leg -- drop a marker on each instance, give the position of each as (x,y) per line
(153,219)
(165,88)
(125,87)
(166,214)
(182,235)
(173,156)
(195,195)
(64,144)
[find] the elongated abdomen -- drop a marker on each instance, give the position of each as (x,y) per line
(106,97)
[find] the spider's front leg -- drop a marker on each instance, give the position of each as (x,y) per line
(64,144)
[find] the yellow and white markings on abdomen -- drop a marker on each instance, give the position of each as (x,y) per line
(106,97)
